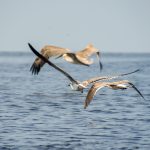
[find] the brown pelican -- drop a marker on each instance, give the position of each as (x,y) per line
(124,84)
(80,57)
(75,84)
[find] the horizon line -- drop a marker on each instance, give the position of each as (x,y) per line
(102,52)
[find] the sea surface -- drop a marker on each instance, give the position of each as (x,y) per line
(40,112)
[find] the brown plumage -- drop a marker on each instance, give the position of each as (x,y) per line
(83,57)
(124,84)
(80,57)
(86,53)
(76,85)
(47,51)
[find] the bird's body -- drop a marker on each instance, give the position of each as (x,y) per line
(82,57)
(72,58)
(123,84)
(76,86)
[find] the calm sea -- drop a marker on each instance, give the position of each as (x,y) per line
(42,113)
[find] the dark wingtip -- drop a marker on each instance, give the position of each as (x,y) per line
(100,64)
(133,86)
(29,44)
(31,47)
(38,54)
(130,72)
(137,70)
(35,69)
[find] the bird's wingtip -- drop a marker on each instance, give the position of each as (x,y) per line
(133,86)
(85,106)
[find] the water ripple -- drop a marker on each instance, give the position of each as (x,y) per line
(42,113)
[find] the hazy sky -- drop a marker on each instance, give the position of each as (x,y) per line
(111,25)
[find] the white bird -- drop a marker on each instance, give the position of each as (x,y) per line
(124,84)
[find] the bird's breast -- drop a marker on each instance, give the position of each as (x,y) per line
(69,59)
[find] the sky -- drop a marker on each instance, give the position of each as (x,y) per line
(110,25)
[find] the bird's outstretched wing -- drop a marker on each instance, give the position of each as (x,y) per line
(51,64)
(93,90)
(38,63)
(95,79)
(123,84)
(47,51)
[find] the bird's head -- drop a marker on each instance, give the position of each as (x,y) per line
(76,87)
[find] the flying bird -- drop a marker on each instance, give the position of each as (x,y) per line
(84,84)
(80,57)
(124,84)
(83,56)
(75,84)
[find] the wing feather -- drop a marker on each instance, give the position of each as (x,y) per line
(47,52)
(93,90)
(134,87)
(77,60)
(95,79)
(52,65)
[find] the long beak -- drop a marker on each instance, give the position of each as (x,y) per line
(100,64)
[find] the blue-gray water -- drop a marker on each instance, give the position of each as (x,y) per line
(42,113)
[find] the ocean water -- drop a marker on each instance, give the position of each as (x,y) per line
(40,112)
